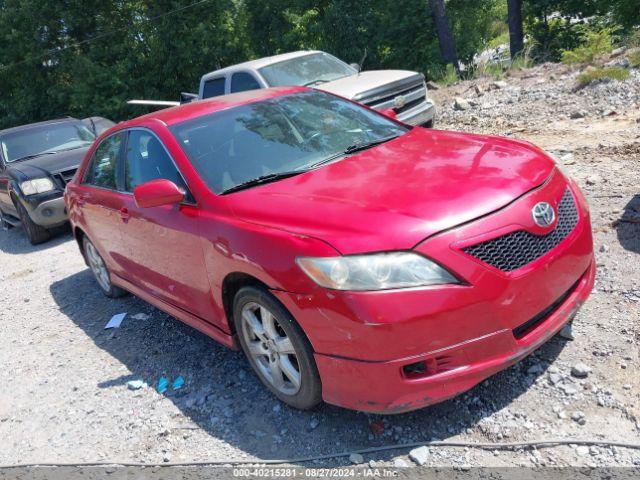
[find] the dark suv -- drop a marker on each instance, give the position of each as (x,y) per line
(36,162)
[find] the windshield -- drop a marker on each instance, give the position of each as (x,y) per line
(307,70)
(44,139)
(290,133)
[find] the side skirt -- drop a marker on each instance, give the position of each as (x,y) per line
(193,321)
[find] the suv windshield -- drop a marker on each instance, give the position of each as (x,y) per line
(284,135)
(43,139)
(307,70)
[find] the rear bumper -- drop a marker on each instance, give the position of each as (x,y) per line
(383,387)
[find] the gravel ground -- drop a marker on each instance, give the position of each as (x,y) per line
(64,394)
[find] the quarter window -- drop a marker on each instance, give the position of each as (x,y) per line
(242,81)
(213,88)
(146,159)
(102,170)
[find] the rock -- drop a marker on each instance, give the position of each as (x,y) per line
(535,369)
(580,370)
(140,316)
(400,463)
(579,417)
(478,89)
(461,104)
(433,85)
(568,159)
(500,84)
(577,114)
(604,248)
(356,458)
(618,51)
(135,384)
(568,389)
(313,424)
(582,450)
(627,386)
(567,332)
(419,455)
(554,378)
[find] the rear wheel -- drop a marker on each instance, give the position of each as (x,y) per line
(277,349)
(35,233)
(100,271)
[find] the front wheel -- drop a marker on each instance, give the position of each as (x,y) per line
(100,271)
(277,348)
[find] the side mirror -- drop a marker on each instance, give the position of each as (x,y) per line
(186,97)
(355,65)
(389,112)
(156,193)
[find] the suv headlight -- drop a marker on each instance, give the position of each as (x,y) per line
(39,185)
(378,271)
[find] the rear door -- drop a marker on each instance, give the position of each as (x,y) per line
(165,254)
(101,203)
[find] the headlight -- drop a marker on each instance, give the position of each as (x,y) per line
(377,271)
(39,185)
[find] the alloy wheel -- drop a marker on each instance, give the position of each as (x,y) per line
(98,267)
(271,349)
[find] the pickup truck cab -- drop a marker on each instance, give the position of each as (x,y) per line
(403,91)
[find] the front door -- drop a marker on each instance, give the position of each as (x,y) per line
(165,254)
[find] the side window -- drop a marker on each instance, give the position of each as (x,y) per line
(146,159)
(213,88)
(243,81)
(102,169)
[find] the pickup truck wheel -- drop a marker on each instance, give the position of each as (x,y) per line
(277,348)
(100,270)
(35,233)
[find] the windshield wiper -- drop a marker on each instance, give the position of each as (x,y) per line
(270,177)
(314,82)
(35,155)
(358,147)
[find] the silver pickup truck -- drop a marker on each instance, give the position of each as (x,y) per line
(403,91)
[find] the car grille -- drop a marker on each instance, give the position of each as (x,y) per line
(65,176)
(517,249)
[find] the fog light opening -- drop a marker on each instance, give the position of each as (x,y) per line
(421,369)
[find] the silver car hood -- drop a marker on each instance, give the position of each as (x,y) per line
(370,83)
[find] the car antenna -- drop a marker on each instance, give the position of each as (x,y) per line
(362,60)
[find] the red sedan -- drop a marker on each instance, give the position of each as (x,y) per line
(354,259)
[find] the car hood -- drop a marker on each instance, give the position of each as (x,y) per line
(393,196)
(46,164)
(361,84)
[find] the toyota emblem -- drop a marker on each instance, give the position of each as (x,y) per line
(543,214)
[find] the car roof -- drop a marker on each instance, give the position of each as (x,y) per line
(182,113)
(260,62)
(37,124)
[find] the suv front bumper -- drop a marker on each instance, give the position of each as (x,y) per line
(49,213)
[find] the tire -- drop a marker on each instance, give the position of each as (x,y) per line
(35,233)
(273,344)
(100,271)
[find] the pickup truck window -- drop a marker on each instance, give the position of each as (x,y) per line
(243,81)
(102,170)
(307,70)
(213,88)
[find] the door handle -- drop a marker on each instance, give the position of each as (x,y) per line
(124,214)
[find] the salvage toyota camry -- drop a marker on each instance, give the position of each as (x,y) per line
(354,259)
